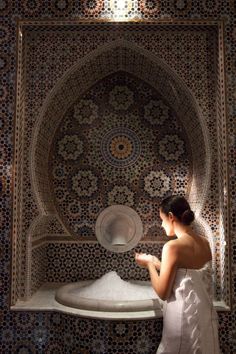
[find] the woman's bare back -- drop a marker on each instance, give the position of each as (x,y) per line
(193,251)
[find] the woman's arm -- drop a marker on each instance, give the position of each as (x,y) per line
(163,282)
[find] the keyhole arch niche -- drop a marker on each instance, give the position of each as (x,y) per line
(127,57)
(120,56)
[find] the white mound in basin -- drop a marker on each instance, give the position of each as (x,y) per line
(109,293)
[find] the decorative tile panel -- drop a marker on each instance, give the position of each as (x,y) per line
(118,152)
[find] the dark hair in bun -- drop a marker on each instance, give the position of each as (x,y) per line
(179,207)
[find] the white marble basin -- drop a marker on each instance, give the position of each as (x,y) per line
(68,295)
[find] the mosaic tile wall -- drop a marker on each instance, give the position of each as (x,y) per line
(119,54)
(93,262)
(110,148)
(56,333)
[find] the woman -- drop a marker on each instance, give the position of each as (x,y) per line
(189,319)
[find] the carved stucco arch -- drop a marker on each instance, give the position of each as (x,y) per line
(120,55)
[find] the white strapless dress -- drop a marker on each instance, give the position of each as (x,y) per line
(190,324)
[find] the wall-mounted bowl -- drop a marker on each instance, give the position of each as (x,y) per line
(118,228)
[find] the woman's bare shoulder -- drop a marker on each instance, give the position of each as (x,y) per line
(204,240)
(171,246)
(170,253)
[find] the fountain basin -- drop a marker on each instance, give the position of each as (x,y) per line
(109,294)
(66,296)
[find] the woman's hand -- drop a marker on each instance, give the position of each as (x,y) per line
(157,262)
(144,259)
